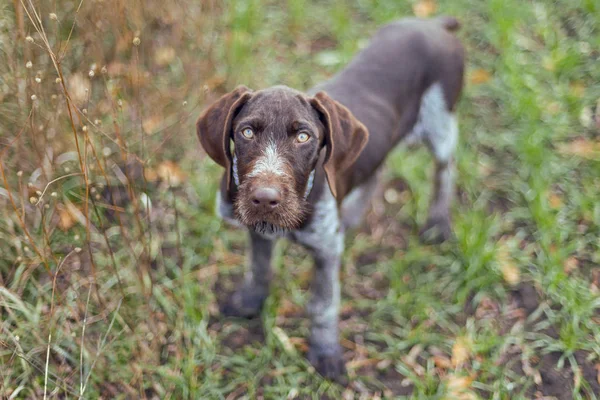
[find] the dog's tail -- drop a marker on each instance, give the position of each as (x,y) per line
(451,24)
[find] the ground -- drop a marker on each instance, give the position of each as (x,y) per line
(113,262)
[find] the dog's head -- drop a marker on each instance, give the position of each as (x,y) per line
(270,141)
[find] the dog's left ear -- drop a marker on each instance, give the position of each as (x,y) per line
(214,127)
(345,138)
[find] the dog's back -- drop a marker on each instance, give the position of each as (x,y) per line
(385,83)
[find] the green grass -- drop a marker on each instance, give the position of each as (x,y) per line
(517,290)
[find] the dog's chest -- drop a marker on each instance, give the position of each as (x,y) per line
(323,231)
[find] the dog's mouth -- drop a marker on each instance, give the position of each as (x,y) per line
(286,217)
(276,222)
(268,229)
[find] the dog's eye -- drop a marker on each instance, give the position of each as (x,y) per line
(302,137)
(248,133)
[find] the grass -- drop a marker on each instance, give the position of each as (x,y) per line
(110,287)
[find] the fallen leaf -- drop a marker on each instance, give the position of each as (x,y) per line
(164,56)
(150,174)
(570,264)
(424,8)
(151,124)
(66,220)
(442,362)
(287,308)
(170,172)
(508,267)
(459,388)
(299,343)
(581,147)
(479,76)
(461,351)
(555,201)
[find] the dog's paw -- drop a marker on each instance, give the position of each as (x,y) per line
(243,304)
(436,230)
(329,362)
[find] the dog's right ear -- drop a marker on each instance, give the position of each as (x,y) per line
(214,127)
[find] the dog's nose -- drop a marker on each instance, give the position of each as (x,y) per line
(266,197)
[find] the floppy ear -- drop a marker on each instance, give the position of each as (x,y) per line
(345,138)
(214,127)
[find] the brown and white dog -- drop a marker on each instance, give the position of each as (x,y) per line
(303,166)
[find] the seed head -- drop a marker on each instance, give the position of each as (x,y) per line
(38,79)
(104,70)
(53,194)
(33,97)
(91,73)
(20,174)
(136,41)
(33,199)
(57,80)
(53,17)
(77,249)
(29,39)
(28,64)
(84,128)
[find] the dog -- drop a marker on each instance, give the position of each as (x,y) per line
(303,165)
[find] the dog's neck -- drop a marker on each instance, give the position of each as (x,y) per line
(236,177)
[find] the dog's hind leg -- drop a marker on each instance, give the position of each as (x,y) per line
(441,136)
(248,299)
(357,202)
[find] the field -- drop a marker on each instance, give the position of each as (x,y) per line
(113,263)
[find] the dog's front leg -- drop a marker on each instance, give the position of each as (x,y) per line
(248,299)
(325,353)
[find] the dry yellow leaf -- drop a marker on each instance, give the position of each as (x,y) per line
(510,270)
(150,174)
(164,56)
(170,172)
(287,308)
(555,201)
(461,351)
(584,148)
(459,388)
(424,8)
(442,362)
(570,264)
(151,124)
(479,76)
(65,218)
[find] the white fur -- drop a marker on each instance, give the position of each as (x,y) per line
(270,162)
(225,211)
(436,125)
(324,233)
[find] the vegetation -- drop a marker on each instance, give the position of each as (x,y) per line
(112,261)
